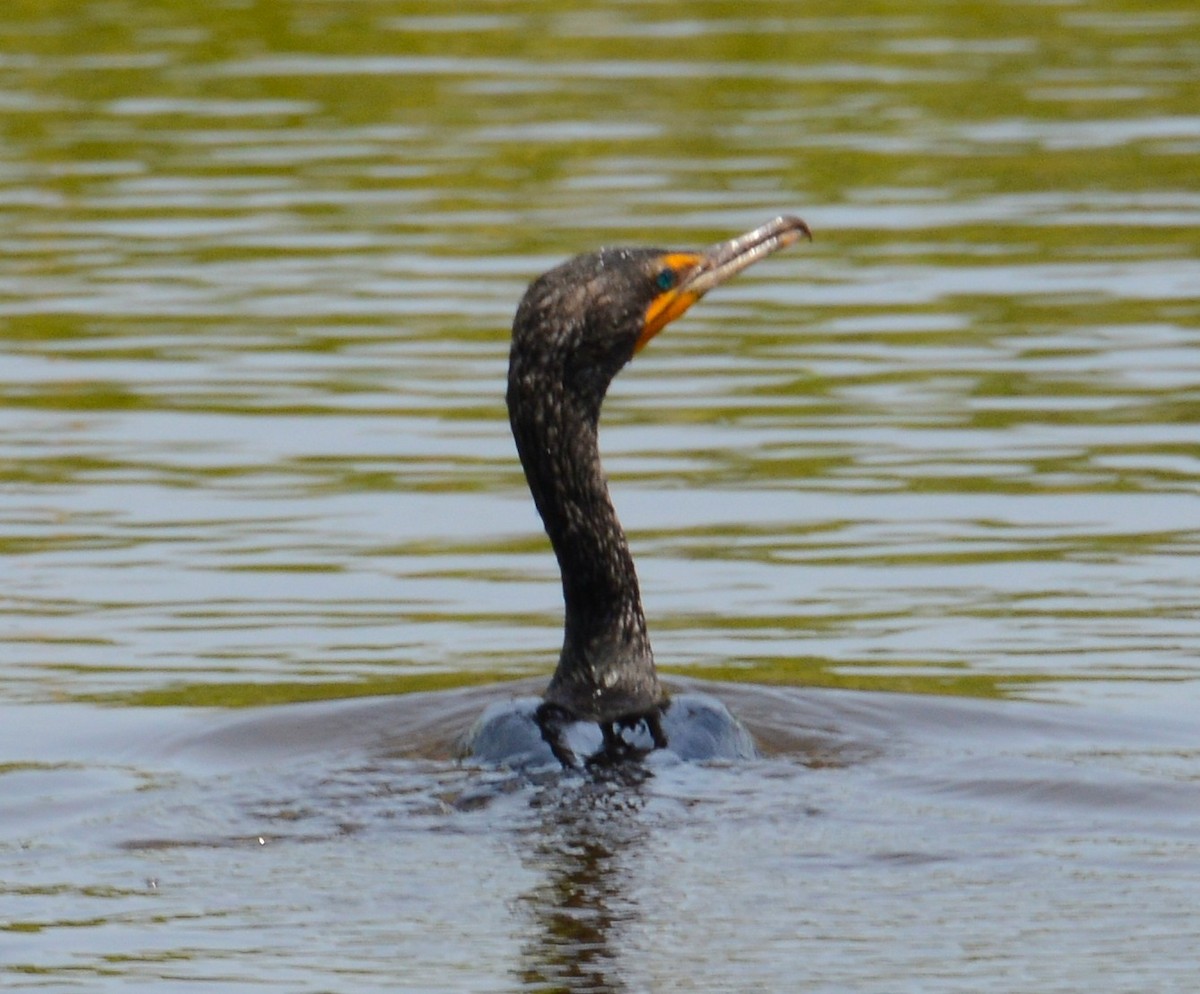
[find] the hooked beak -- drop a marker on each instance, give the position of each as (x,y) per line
(700,272)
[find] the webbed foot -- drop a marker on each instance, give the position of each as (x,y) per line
(653,722)
(617,748)
(551,721)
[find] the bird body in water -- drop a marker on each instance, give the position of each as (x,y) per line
(574,330)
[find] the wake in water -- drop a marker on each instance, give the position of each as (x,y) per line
(868,825)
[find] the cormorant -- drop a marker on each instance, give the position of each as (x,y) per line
(574,330)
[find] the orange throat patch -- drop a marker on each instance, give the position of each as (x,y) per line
(669,304)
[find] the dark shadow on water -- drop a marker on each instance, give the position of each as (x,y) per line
(586,848)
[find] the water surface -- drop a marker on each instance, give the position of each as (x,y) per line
(921,497)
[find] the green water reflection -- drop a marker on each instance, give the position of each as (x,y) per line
(260,260)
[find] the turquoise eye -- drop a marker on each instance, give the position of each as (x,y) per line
(666,279)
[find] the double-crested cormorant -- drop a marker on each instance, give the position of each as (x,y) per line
(574,330)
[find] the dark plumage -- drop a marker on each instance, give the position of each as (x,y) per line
(575,328)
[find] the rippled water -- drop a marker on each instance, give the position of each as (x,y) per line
(259,262)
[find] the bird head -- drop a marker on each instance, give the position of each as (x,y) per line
(585,319)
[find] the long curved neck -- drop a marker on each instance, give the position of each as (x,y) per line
(556,436)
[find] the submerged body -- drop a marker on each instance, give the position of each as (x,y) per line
(575,328)
(697,727)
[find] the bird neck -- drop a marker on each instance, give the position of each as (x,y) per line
(605,628)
